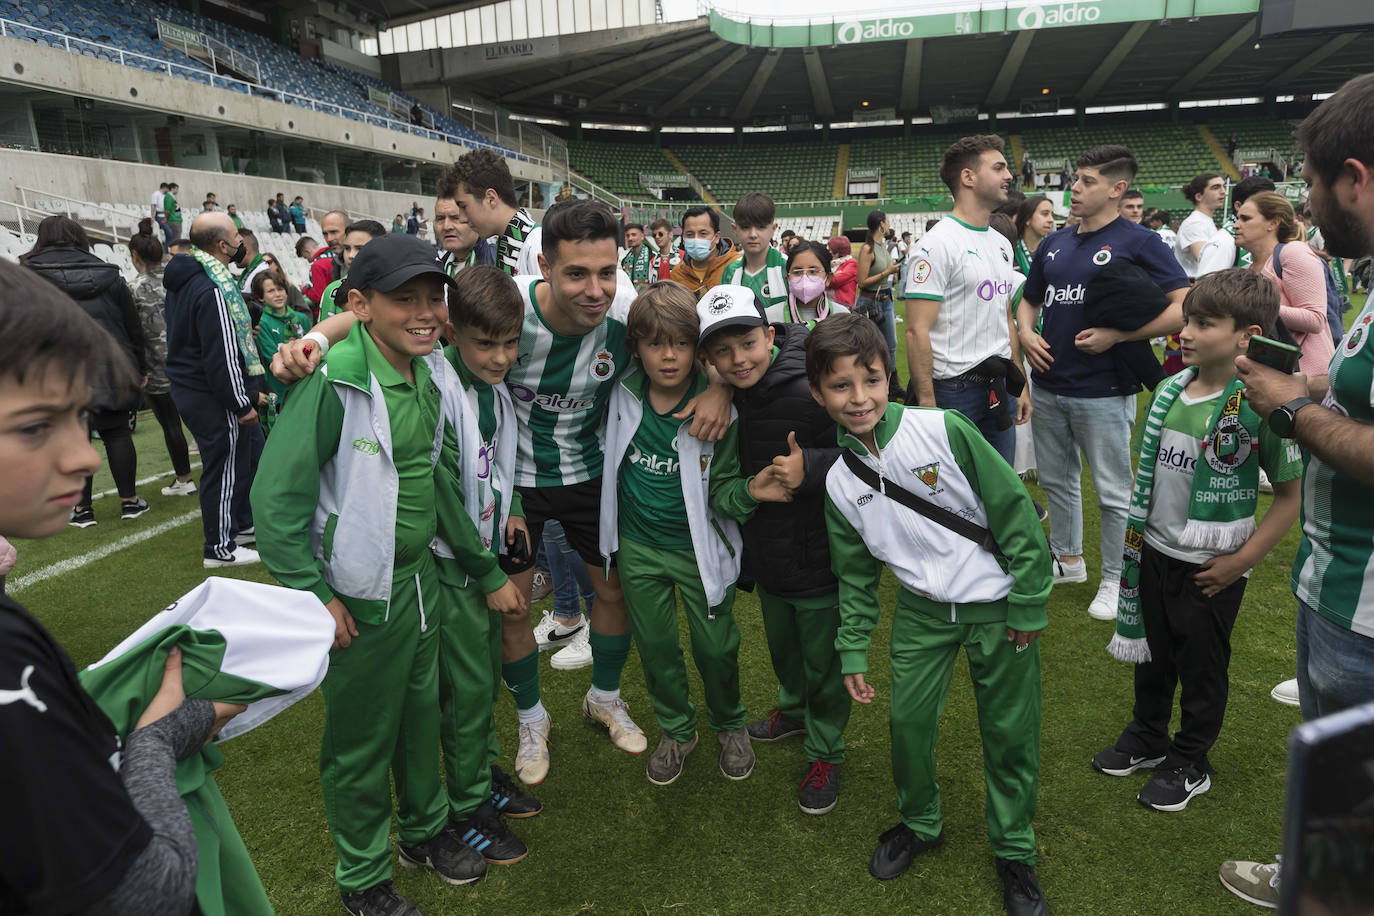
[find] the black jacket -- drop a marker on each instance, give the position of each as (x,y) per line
(202,352)
(102,293)
(786,547)
(1122,296)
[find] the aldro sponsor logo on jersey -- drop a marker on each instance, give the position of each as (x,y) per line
(557,403)
(659,466)
(366,446)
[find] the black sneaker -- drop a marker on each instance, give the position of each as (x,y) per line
(775,726)
(82,517)
(1171,790)
(447,857)
(133,509)
(379,900)
(1020,890)
(486,834)
(1119,763)
(820,789)
(509,799)
(896,848)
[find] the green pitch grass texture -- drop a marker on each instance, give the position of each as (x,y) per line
(610,842)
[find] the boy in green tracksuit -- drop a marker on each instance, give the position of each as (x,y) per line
(354,238)
(348,513)
(762,267)
(480,520)
(986,596)
(666,542)
(279,324)
(782,437)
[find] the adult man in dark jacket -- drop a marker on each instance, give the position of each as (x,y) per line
(210,353)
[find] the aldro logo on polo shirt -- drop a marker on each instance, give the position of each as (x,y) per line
(366,446)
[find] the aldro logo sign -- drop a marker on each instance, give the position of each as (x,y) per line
(1029,17)
(1049,15)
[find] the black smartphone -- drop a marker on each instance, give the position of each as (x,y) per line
(1274,353)
(520,550)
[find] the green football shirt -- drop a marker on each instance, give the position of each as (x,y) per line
(652,510)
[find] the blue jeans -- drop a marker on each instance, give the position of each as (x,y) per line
(884,314)
(1101,429)
(1335,666)
(569,574)
(971,400)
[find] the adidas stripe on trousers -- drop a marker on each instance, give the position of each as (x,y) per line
(229,454)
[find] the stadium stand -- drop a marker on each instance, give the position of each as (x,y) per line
(1257,133)
(911,165)
(786,170)
(617,166)
(1169,153)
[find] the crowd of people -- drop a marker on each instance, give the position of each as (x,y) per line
(672,414)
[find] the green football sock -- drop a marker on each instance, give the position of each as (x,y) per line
(522,679)
(608,659)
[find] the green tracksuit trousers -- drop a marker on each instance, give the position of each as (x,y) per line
(652,579)
(469,685)
(1006,684)
(801,642)
(381,712)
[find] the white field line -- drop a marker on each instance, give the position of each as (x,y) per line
(71,564)
(139,483)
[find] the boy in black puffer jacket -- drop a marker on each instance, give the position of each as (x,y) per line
(782,435)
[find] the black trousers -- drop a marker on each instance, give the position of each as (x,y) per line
(1190,647)
(228,459)
(170,421)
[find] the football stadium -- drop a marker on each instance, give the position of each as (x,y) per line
(309,122)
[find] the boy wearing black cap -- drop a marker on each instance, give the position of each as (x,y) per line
(783,436)
(348,514)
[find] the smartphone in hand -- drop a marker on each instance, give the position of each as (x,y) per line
(1274,353)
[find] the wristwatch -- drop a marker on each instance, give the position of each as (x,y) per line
(1282,420)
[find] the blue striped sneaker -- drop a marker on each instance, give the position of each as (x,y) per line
(488,834)
(444,855)
(509,799)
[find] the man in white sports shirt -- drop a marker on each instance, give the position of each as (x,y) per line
(485,194)
(572,351)
(1206,192)
(958,295)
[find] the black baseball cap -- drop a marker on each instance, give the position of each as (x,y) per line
(389,261)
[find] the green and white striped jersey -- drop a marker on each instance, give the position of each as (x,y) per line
(560,387)
(517,249)
(1333,572)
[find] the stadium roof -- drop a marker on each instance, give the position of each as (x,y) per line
(728,70)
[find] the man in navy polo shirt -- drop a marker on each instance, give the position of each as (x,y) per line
(1080,403)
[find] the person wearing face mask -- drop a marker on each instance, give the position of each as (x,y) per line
(705,255)
(216,376)
(808,279)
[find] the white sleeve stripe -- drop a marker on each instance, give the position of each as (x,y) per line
(231,351)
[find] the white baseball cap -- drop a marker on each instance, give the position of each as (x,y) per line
(728,307)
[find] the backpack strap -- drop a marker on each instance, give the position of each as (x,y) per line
(1278,263)
(923,507)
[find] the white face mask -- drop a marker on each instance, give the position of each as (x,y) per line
(698,249)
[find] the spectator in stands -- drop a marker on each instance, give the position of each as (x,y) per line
(1133,205)
(145,251)
(284,217)
(844,272)
(458,241)
(213,365)
(212,201)
(207,207)
(1335,562)
(413,222)
(62,255)
(667,247)
(254,262)
(876,270)
(324,266)
(172,212)
(297,212)
(1265,227)
(274,220)
(158,214)
(1081,402)
(1034,220)
(482,186)
(421,224)
(1206,192)
(398,225)
(706,253)
(305,247)
(234,215)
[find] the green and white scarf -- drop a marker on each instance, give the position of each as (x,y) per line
(1221,509)
(512,241)
(1023,259)
(238,310)
(636,264)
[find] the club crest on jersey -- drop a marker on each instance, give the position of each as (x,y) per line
(719,303)
(603,367)
(1359,334)
(1006,257)
(1230,443)
(1103,256)
(929,475)
(920,271)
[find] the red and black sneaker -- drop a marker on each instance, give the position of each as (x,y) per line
(820,790)
(775,726)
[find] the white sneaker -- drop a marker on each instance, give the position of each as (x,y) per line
(615,715)
(1253,882)
(243,556)
(1286,693)
(532,756)
(1064,573)
(1264,485)
(1104,605)
(576,654)
(550,634)
(180,489)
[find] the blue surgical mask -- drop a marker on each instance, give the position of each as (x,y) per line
(698,249)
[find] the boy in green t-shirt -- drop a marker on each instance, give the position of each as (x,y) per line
(1191,538)
(348,513)
(354,238)
(279,324)
(666,540)
(173,212)
(761,268)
